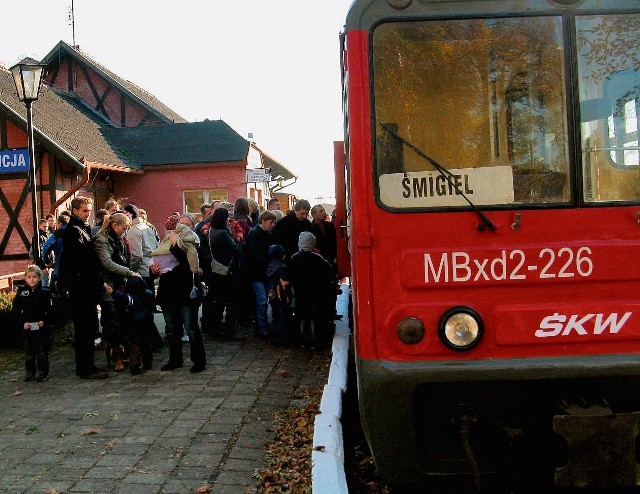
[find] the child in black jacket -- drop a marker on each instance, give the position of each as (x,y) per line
(279,295)
(137,303)
(31,307)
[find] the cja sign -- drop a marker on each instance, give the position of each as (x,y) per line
(14,160)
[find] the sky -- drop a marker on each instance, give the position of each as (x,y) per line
(267,67)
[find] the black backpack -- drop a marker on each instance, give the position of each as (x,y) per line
(279,288)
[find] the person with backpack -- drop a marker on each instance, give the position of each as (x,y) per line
(280,297)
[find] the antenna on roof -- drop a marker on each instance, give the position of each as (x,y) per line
(72,22)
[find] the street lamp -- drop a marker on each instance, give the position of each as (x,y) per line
(27,75)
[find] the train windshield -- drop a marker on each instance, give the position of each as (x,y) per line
(477,109)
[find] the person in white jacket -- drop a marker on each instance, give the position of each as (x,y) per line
(142,242)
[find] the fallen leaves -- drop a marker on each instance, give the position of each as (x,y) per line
(288,466)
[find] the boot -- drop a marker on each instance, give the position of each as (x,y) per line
(134,354)
(303,327)
(107,354)
(146,355)
(314,333)
(134,358)
(118,358)
(175,355)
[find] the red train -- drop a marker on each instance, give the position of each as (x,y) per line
(492,228)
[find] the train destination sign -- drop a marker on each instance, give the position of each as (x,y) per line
(14,160)
(482,186)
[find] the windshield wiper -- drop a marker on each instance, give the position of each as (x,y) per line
(448,176)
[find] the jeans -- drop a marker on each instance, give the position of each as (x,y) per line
(260,292)
(156,339)
(178,318)
(37,345)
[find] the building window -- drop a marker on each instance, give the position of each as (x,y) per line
(193,199)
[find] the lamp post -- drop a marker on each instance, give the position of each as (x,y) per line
(27,75)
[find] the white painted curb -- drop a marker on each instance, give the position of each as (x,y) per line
(327,457)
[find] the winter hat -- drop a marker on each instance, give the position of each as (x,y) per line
(306,242)
(276,252)
(219,218)
(172,221)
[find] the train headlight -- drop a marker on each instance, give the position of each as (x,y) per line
(410,330)
(460,328)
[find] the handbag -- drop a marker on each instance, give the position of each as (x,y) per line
(219,268)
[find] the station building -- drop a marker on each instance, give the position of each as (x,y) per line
(99,135)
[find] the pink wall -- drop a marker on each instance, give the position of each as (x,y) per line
(160,190)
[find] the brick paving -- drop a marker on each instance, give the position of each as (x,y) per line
(160,432)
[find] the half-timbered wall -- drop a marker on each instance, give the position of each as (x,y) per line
(100,94)
(53,178)
(16,211)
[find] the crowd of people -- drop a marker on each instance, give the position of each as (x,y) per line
(238,265)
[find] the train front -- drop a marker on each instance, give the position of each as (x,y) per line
(494,196)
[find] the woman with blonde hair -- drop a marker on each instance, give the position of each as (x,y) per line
(254,211)
(115,262)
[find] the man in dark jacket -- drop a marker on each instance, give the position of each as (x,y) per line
(289,228)
(79,273)
(325,234)
(326,244)
(257,249)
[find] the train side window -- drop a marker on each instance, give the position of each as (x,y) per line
(609,89)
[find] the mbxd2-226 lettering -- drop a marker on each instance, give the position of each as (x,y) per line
(461,266)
